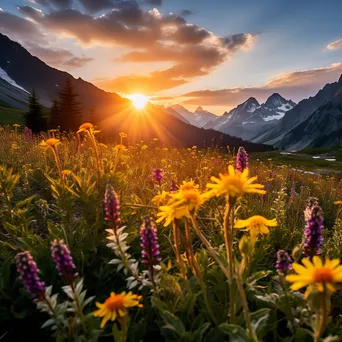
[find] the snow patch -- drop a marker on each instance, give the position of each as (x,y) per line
(274,117)
(247,122)
(4,76)
(285,107)
(331,159)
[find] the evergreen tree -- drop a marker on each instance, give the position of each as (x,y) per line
(34,117)
(70,111)
(94,117)
(55,112)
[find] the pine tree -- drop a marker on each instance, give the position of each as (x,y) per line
(55,113)
(34,118)
(70,111)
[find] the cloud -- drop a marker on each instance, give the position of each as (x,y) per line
(54,3)
(154,2)
(20,29)
(193,51)
(335,45)
(292,85)
(186,12)
(31,37)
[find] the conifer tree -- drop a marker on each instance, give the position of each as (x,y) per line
(70,111)
(34,117)
(55,113)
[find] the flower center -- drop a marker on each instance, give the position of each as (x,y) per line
(323,275)
(114,302)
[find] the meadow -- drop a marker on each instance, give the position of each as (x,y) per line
(143,242)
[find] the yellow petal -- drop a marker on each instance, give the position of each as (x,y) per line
(330,287)
(317,261)
(299,284)
(307,263)
(299,268)
(106,318)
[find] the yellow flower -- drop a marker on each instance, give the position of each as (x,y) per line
(315,275)
(182,203)
(120,147)
(144,147)
(256,225)
(52,130)
(116,305)
(123,135)
(85,127)
(194,147)
(234,184)
(66,172)
(14,146)
(52,142)
(161,198)
(16,125)
(338,202)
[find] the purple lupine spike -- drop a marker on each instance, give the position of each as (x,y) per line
(157,175)
(284,262)
(149,243)
(314,228)
(28,270)
(173,187)
(63,260)
(264,197)
(111,206)
(241,159)
(293,192)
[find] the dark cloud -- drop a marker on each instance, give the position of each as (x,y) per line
(293,85)
(19,29)
(186,12)
(194,51)
(77,62)
(154,2)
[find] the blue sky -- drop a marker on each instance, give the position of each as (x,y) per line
(281,42)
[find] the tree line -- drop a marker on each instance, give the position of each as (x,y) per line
(65,112)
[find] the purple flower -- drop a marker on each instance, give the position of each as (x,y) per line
(241,159)
(28,270)
(149,243)
(27,133)
(264,197)
(63,260)
(284,262)
(314,228)
(111,206)
(173,187)
(157,174)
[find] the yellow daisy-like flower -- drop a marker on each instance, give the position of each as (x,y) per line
(116,305)
(182,203)
(121,147)
(338,203)
(123,135)
(234,184)
(85,127)
(66,172)
(256,225)
(316,275)
(144,147)
(161,198)
(16,125)
(52,142)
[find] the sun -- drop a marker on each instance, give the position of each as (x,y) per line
(139,100)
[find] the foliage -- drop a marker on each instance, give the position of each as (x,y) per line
(188,296)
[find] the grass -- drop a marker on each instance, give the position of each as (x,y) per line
(10,116)
(195,293)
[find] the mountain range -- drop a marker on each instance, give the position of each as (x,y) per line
(250,117)
(21,72)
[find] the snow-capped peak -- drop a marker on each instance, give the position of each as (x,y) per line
(4,76)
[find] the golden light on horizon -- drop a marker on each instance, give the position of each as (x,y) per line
(139,100)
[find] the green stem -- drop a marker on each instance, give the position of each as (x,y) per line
(245,307)
(177,247)
(196,271)
(98,166)
(207,244)
(288,306)
(323,316)
(79,309)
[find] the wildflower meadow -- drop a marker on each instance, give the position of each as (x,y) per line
(146,243)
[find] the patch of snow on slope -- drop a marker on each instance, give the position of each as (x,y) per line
(285,107)
(225,121)
(4,76)
(274,117)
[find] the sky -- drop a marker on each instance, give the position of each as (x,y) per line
(214,53)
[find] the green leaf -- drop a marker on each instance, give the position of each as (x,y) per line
(235,332)
(198,334)
(49,322)
(332,339)
(173,323)
(259,319)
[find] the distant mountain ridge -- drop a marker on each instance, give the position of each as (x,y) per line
(325,103)
(250,117)
(116,114)
(198,118)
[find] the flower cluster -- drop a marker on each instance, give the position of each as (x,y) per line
(63,260)
(149,243)
(111,206)
(28,271)
(241,160)
(157,175)
(284,262)
(314,228)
